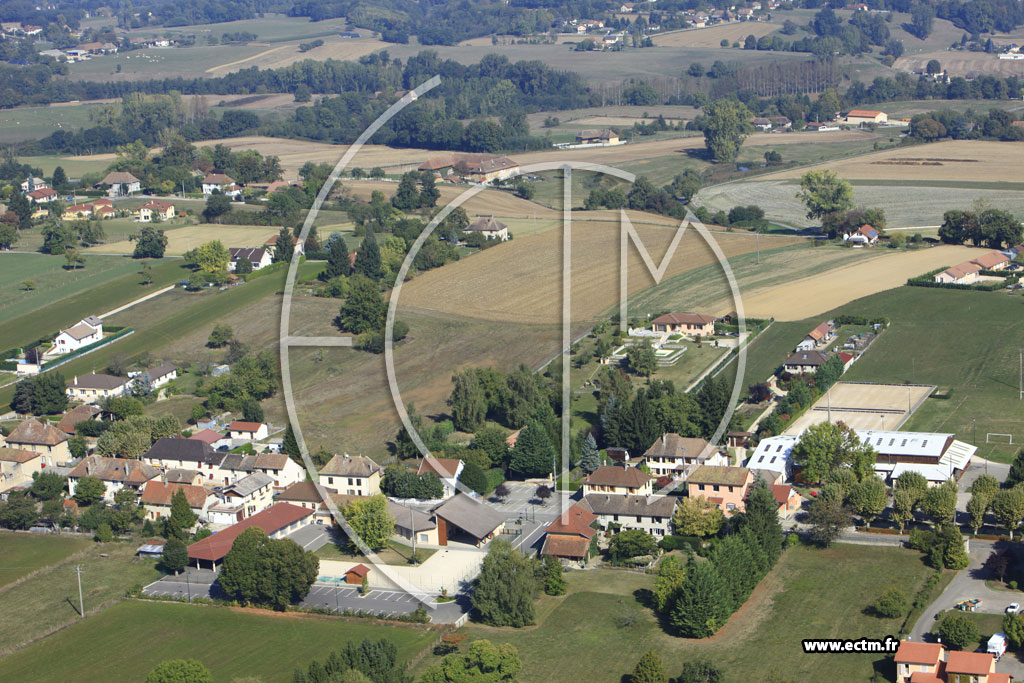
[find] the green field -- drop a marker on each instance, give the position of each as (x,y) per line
(268,27)
(810,594)
(21,554)
(125,642)
(33,123)
(75,168)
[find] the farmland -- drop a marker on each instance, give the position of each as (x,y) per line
(180,240)
(712,36)
(31,123)
(23,554)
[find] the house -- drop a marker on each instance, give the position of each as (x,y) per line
(40,437)
(860,116)
(155,208)
(761,123)
(804,361)
(257,256)
(177,453)
(218,182)
(780,122)
(77,211)
(357,574)
(992,261)
(304,494)
(489,227)
(447,470)
(692,324)
(462,517)
(17,467)
(975,667)
(183,476)
(94,387)
(919,662)
(103,211)
(156,499)
(212,438)
(961,274)
(619,478)
(120,184)
(726,487)
(281,468)
(115,473)
(822,334)
(816,126)
(248,431)
(591,136)
(156,376)
(277,521)
(917,657)
(787,498)
(772,460)
(569,537)
(673,455)
(245,498)
(87,331)
(652,514)
(33,183)
(272,243)
(480,168)
(413,525)
(352,475)
(82,413)
(864,235)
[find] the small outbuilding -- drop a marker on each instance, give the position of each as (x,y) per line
(356,574)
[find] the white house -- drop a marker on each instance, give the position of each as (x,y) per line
(281,468)
(489,227)
(94,387)
(248,431)
(115,473)
(772,460)
(42,196)
(33,183)
(620,479)
(121,183)
(673,455)
(155,208)
(652,514)
(448,471)
(258,257)
(804,361)
(158,376)
(219,182)
(245,498)
(88,331)
(352,475)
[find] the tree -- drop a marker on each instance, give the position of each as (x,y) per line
(371,520)
(827,446)
(48,485)
(533,455)
(1016,473)
(73,259)
(60,179)
(468,402)
(891,604)
(150,243)
(252,411)
(985,485)
(483,662)
(175,555)
(18,513)
(8,233)
(642,359)
(939,502)
(903,505)
(1013,627)
(667,583)
(958,630)
(368,261)
(702,605)
(284,246)
(590,458)
(761,516)
(914,483)
(209,257)
(726,123)
(179,671)
(542,493)
(998,562)
(217,205)
(337,258)
(104,533)
(554,581)
(827,519)
(182,518)
(955,556)
(649,669)
(89,490)
(868,498)
(364,309)
(261,571)
(505,587)
(407,196)
(700,671)
(631,543)
(501,492)
(1008,508)
(697,517)
(824,193)
(977,506)
(220,336)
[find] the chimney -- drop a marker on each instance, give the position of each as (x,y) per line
(76,380)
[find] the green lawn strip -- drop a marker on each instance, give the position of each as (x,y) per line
(21,554)
(395,554)
(125,642)
(811,593)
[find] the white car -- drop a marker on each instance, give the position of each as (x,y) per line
(1013,608)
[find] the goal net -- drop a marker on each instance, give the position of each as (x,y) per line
(992,437)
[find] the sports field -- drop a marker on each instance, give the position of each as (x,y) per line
(22,554)
(864,406)
(180,240)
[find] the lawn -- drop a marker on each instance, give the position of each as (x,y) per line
(127,641)
(694,361)
(395,554)
(812,593)
(21,554)
(32,123)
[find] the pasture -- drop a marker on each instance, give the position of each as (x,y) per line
(270,27)
(864,406)
(180,240)
(273,647)
(22,554)
(712,36)
(32,123)
(963,63)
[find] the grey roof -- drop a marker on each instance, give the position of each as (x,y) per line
(811,357)
(238,462)
(420,520)
(92,320)
(617,504)
(350,466)
(161,370)
(180,476)
(98,381)
(247,485)
(192,450)
(470,515)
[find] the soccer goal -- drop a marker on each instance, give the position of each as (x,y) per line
(999,438)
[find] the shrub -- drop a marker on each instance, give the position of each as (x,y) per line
(891,604)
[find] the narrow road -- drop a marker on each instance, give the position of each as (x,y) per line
(128,305)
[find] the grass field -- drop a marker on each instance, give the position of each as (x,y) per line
(20,554)
(712,36)
(761,640)
(272,647)
(74,166)
(32,123)
(180,240)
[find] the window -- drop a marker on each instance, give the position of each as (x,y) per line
(715,488)
(639,519)
(615,518)
(730,489)
(423,538)
(330,480)
(730,506)
(350,482)
(904,443)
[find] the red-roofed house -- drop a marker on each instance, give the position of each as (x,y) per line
(618,479)
(917,658)
(277,521)
(693,324)
(156,498)
(214,438)
(822,334)
(154,207)
(859,116)
(787,498)
(976,667)
(448,471)
(568,537)
(932,663)
(43,196)
(864,235)
(250,431)
(847,359)
(992,261)
(961,274)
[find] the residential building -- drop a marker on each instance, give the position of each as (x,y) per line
(94,387)
(183,476)
(992,261)
(412,524)
(690,324)
(569,537)
(820,335)
(120,184)
(304,494)
(804,361)
(619,478)
(465,519)
(248,431)
(972,667)
(780,122)
(591,137)
(961,274)
(115,473)
(281,468)
(277,521)
(481,168)
(761,123)
(82,413)
(652,514)
(865,235)
(673,455)
(271,244)
(33,183)
(156,376)
(726,487)
(217,182)
(212,438)
(489,227)
(40,437)
(77,211)
(155,209)
(17,467)
(448,470)
(787,498)
(177,453)
(772,460)
(43,196)
(860,116)
(258,257)
(245,498)
(352,475)
(86,331)
(919,662)
(156,499)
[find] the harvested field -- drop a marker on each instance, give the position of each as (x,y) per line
(790,300)
(497,203)
(334,47)
(180,240)
(712,36)
(864,405)
(963,63)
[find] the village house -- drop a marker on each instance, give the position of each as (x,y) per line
(115,473)
(248,431)
(569,537)
(464,519)
(412,525)
(761,123)
(155,209)
(33,183)
(673,455)
(691,324)
(804,361)
(865,235)
(352,475)
(281,468)
(857,117)
(920,662)
(619,478)
(304,494)
(591,136)
(726,487)
(993,260)
(780,123)
(82,413)
(43,196)
(120,184)
(17,467)
(258,257)
(480,168)
(40,437)
(819,127)
(277,521)
(820,335)
(77,211)
(962,274)
(787,498)
(245,498)
(271,243)
(178,453)
(156,499)
(220,182)
(212,438)
(489,227)
(447,470)
(182,476)
(94,387)
(650,513)
(87,331)
(157,376)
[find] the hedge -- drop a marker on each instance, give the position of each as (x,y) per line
(928,280)
(669,543)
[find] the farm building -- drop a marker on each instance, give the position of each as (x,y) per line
(693,324)
(481,168)
(259,258)
(822,334)
(490,228)
(599,137)
(120,184)
(961,274)
(860,116)
(88,331)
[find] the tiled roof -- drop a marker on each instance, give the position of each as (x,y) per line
(350,466)
(486,224)
(719,474)
(961,269)
(98,381)
(159,493)
(618,504)
(119,177)
(812,357)
(406,517)
(301,491)
(161,370)
(672,445)
(819,332)
(180,476)
(684,318)
(617,475)
(565,546)
(238,462)
(18,455)
(272,461)
(974,663)
(218,179)
(208,436)
(242,426)
(115,469)
(186,450)
(271,520)
(446,468)
(246,486)
(37,433)
(993,258)
(576,522)
(470,515)
(254,254)
(781,492)
(912,652)
(360,570)
(76,415)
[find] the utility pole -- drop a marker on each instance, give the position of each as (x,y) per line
(81,603)
(412,530)
(188,585)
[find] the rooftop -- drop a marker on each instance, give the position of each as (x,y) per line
(114,469)
(617,475)
(273,519)
(246,486)
(618,504)
(37,433)
(242,426)
(159,493)
(671,445)
(18,455)
(98,381)
(470,515)
(445,468)
(721,475)
(812,357)
(190,450)
(350,466)
(684,318)
(911,652)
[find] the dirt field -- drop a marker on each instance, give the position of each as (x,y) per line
(714,35)
(180,240)
(864,406)
(791,301)
(487,203)
(334,47)
(958,160)
(963,63)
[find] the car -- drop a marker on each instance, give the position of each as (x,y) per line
(1013,608)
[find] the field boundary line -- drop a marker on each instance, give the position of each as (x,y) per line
(128,305)
(74,557)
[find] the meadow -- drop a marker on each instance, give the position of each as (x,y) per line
(712,36)
(32,123)
(22,554)
(272,647)
(180,240)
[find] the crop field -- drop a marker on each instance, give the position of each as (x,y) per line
(712,36)
(963,63)
(625,113)
(277,56)
(74,166)
(269,27)
(911,107)
(273,647)
(22,554)
(180,240)
(157,62)
(864,406)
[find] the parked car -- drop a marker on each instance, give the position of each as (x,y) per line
(1013,608)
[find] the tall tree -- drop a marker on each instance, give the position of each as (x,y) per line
(468,402)
(703,604)
(261,571)
(284,247)
(761,516)
(1008,508)
(364,309)
(175,555)
(368,257)
(903,505)
(179,671)
(407,197)
(533,455)
(505,587)
(868,498)
(483,661)
(182,517)
(337,258)
(827,519)
(726,123)
(590,458)
(825,193)
(371,520)
(697,516)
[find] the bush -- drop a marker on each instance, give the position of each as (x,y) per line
(958,630)
(891,604)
